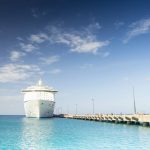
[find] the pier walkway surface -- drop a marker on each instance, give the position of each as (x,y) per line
(138,119)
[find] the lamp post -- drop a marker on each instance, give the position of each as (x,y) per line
(93,105)
(133,93)
(59,110)
(76,109)
(56,111)
(68,110)
(134,104)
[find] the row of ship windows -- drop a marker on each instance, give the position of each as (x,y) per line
(39,95)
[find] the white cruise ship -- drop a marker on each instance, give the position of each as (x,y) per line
(39,100)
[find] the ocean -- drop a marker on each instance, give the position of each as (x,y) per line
(20,133)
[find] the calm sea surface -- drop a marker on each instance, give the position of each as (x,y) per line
(20,133)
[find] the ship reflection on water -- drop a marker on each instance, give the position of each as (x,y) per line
(35,133)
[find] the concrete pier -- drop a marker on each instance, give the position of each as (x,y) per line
(136,119)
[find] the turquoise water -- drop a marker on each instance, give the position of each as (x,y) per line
(20,133)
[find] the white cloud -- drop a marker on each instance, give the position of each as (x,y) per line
(138,28)
(84,41)
(28,47)
(16,55)
(50,59)
(16,72)
(55,71)
(38,38)
(19,38)
(88,46)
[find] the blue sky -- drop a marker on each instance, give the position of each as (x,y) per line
(84,49)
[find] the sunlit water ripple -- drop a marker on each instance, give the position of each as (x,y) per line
(20,133)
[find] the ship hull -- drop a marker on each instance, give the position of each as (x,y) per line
(39,108)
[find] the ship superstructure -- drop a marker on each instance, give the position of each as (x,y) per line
(39,100)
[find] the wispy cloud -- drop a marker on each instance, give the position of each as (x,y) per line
(87,44)
(50,59)
(28,47)
(16,72)
(55,71)
(16,55)
(84,41)
(81,44)
(38,38)
(19,38)
(138,28)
